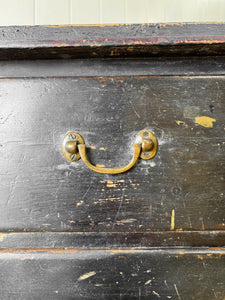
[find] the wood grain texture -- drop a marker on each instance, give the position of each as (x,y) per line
(112,274)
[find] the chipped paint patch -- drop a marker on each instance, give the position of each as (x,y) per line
(80,203)
(86,275)
(110,184)
(127,220)
(2,236)
(154,292)
(152,164)
(205,121)
(179,122)
(172,225)
(63,167)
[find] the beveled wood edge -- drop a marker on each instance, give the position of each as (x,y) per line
(176,66)
(120,40)
(106,240)
(208,251)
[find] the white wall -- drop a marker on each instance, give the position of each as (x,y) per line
(46,12)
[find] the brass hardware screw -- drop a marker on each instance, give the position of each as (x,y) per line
(145,134)
(73,157)
(72,136)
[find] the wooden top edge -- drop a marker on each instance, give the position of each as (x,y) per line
(112,34)
(118,40)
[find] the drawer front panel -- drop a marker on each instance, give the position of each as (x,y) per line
(113,274)
(181,188)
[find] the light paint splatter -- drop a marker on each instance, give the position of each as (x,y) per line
(172,225)
(205,121)
(86,275)
(147,282)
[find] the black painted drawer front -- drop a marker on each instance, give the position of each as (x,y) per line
(40,190)
(156,274)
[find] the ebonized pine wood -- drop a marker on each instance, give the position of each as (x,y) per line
(155,232)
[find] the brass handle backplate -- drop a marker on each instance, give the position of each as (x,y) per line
(145,147)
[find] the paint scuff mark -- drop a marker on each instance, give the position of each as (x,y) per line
(147,282)
(110,184)
(191,111)
(27,258)
(205,121)
(2,235)
(63,167)
(152,164)
(80,203)
(175,287)
(179,122)
(136,113)
(86,275)
(102,148)
(172,225)
(154,292)
(128,220)
(100,166)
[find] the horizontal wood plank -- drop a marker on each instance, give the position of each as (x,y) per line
(112,274)
(114,67)
(107,240)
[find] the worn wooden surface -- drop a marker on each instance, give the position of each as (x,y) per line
(107,240)
(113,274)
(154,232)
(141,40)
(40,190)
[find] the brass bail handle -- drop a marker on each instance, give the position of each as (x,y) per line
(145,147)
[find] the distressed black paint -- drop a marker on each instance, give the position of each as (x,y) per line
(108,112)
(135,40)
(113,274)
(69,233)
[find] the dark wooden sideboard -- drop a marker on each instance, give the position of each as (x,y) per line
(153,232)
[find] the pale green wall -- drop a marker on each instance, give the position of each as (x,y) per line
(44,12)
